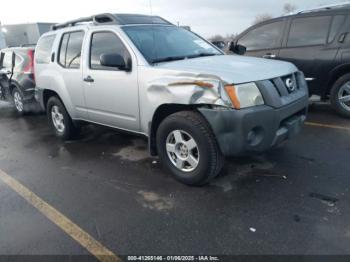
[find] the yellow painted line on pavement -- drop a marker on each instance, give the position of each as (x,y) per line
(327,126)
(74,231)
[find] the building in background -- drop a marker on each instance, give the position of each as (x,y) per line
(22,34)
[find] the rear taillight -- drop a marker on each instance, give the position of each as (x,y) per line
(29,69)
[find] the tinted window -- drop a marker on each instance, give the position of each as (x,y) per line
(44,49)
(70,49)
(263,37)
(337,22)
(309,31)
(105,43)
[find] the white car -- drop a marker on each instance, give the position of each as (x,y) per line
(144,75)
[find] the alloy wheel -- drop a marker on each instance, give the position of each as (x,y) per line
(17,98)
(182,150)
(344,96)
(57,119)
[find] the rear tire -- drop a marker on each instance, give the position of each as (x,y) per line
(18,101)
(59,119)
(340,96)
(188,149)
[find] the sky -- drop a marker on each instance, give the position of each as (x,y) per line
(206,17)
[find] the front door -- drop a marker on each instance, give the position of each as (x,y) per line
(264,40)
(111,94)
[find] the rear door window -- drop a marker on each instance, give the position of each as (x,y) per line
(44,49)
(267,36)
(337,22)
(309,31)
(70,50)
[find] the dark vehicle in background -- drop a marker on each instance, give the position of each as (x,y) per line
(219,44)
(17,80)
(317,41)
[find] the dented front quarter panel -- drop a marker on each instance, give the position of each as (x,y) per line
(164,86)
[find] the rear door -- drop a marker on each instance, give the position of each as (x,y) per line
(69,65)
(264,40)
(311,45)
(111,94)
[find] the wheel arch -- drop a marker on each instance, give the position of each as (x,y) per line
(47,94)
(162,112)
(14,85)
(337,73)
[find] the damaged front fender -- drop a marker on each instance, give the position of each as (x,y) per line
(188,90)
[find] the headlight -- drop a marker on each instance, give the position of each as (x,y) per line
(244,95)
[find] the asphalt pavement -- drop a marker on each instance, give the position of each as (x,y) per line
(292,200)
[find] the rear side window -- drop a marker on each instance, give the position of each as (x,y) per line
(44,49)
(263,37)
(337,22)
(105,43)
(309,31)
(70,50)
(7,63)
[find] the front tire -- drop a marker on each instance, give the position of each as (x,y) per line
(340,96)
(59,119)
(188,149)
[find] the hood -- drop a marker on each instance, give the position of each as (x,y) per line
(233,68)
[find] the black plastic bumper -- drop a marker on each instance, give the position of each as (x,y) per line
(255,129)
(39,97)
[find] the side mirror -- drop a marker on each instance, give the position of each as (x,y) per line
(237,49)
(114,60)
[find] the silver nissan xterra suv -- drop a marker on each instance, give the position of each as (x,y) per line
(142,74)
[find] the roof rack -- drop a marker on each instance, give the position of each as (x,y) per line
(96,19)
(322,7)
(116,19)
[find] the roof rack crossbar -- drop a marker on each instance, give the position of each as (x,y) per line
(104,19)
(72,22)
(96,19)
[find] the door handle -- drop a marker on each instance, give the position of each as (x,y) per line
(269,56)
(342,37)
(89,79)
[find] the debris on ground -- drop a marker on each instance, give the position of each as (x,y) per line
(252,229)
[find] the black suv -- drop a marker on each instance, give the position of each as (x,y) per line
(317,41)
(17,82)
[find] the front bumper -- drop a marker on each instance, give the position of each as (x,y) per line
(255,129)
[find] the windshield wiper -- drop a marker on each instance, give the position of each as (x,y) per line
(168,59)
(175,58)
(201,55)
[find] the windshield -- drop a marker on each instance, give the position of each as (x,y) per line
(168,43)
